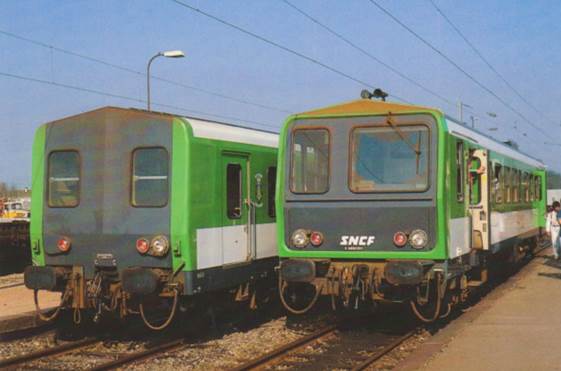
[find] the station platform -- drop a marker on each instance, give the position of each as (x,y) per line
(517,326)
(17,308)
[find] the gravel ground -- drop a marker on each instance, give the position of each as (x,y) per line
(19,347)
(10,279)
(234,348)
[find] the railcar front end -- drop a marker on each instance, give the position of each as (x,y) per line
(133,207)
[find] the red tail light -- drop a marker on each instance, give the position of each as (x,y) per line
(316,238)
(400,239)
(63,244)
(142,245)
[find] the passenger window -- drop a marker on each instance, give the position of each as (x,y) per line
(516,186)
(150,177)
(460,171)
(498,183)
(538,188)
(508,182)
(271,182)
(234,191)
(526,187)
(64,179)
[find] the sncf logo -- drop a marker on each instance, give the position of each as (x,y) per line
(362,241)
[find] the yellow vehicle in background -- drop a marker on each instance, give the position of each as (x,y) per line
(14,210)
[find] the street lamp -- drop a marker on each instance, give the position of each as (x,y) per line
(167,54)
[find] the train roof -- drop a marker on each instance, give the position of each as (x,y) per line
(368,107)
(205,128)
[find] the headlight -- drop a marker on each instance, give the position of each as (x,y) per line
(418,239)
(159,246)
(300,238)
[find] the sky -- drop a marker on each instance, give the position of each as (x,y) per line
(520,39)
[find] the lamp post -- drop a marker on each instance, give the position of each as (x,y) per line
(167,54)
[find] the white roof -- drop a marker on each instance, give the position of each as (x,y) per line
(232,133)
(474,136)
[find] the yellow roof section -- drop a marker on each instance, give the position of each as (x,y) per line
(364,106)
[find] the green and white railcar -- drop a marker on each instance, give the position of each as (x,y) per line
(129,204)
(388,202)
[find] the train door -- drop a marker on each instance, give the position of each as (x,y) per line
(236,211)
(479,198)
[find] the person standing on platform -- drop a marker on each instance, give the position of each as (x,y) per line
(553,226)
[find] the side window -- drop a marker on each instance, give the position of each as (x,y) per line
(234,191)
(538,188)
(150,177)
(271,182)
(526,187)
(475,181)
(508,182)
(498,183)
(460,171)
(64,179)
(516,186)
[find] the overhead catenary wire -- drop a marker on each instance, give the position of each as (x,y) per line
(486,61)
(283,47)
(138,100)
(457,66)
(141,74)
(368,54)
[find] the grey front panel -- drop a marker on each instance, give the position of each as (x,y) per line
(341,212)
(358,219)
(105,221)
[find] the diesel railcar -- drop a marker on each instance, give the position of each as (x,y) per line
(378,201)
(130,205)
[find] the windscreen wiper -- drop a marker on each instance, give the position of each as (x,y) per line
(414,148)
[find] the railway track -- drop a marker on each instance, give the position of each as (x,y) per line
(345,349)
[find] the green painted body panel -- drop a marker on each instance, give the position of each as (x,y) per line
(37,190)
(179,197)
(197,193)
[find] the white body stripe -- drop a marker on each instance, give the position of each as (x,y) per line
(466,133)
(503,226)
(214,130)
(212,252)
(459,230)
(511,224)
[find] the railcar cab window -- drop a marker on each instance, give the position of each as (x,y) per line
(390,159)
(150,177)
(64,179)
(310,161)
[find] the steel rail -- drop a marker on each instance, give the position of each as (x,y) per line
(283,350)
(140,356)
(382,352)
(62,349)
